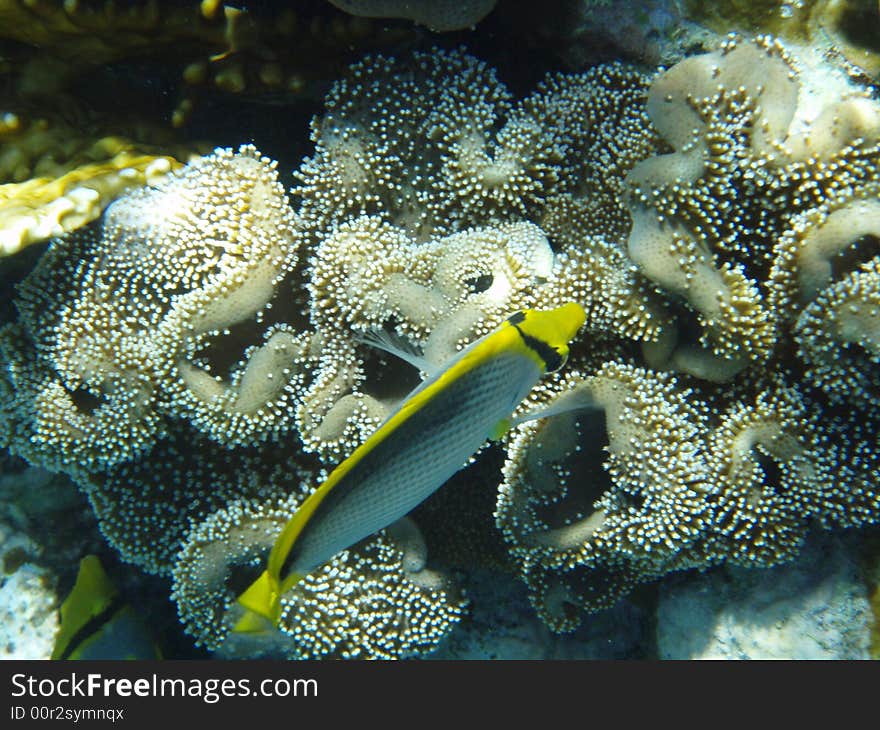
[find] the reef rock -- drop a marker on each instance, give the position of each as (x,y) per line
(28,619)
(813,608)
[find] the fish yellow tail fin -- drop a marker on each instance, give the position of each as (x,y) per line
(262,603)
(252,623)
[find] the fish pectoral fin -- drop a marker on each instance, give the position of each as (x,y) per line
(577,400)
(262,601)
(501,428)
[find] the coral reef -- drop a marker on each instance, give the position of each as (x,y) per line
(480,157)
(82,120)
(569,511)
(123,319)
(228,48)
(752,174)
(849,28)
(718,223)
(129,373)
(441,257)
(758,225)
(827,264)
(439,293)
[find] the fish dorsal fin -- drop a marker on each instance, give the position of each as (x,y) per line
(398,346)
(433,375)
(92,594)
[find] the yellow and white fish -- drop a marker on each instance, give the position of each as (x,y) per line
(426,440)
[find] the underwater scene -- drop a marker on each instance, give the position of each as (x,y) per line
(465,329)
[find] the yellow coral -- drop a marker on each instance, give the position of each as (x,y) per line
(56,177)
(42,207)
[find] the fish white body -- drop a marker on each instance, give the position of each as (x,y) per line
(424,442)
(415,459)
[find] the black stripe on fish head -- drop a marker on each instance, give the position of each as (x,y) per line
(552,359)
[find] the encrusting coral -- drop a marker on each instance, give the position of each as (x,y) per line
(131,374)
(719,232)
(827,265)
(747,160)
(439,294)
(767,465)
(124,319)
(759,225)
(376,600)
(438,145)
(162,342)
(616,484)
(421,203)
